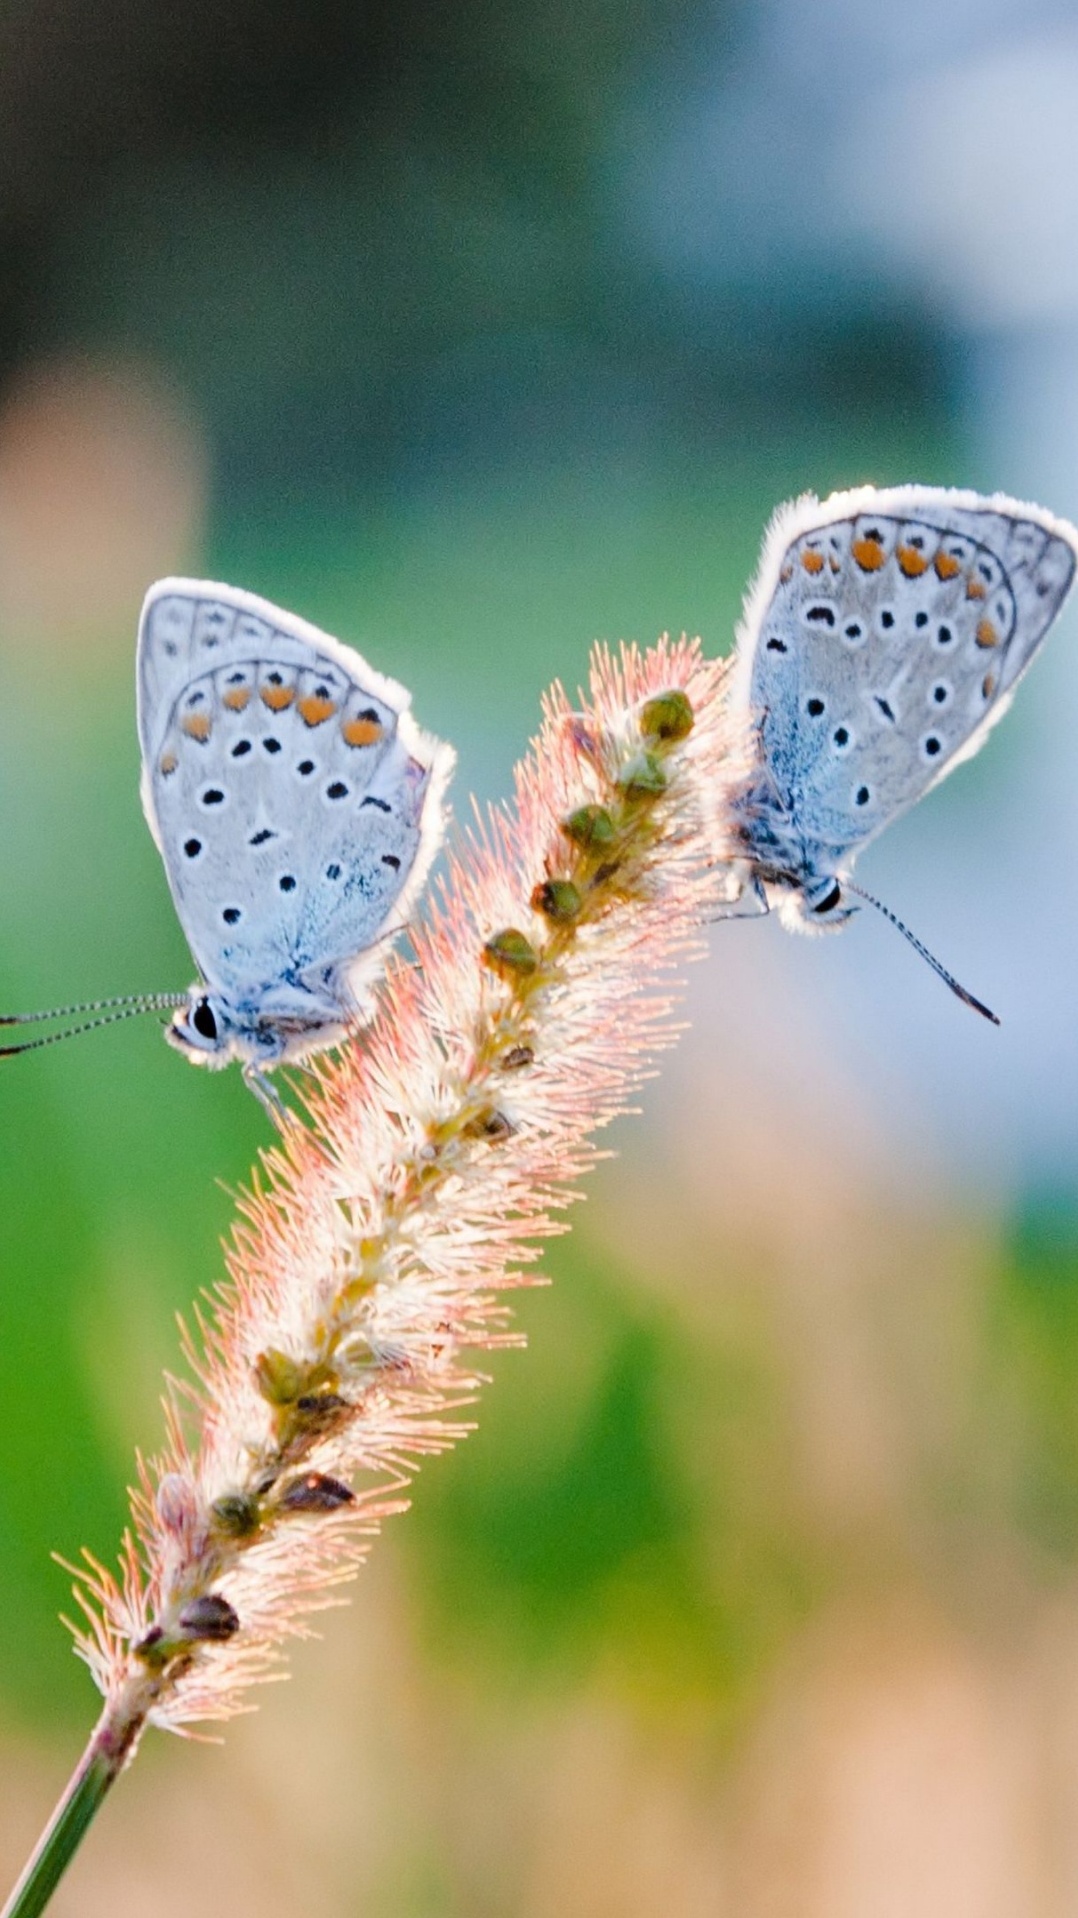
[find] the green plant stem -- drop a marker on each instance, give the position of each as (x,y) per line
(100,1765)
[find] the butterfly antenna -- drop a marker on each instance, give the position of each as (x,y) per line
(129,1010)
(941,972)
(132,1002)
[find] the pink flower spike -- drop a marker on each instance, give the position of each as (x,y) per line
(372,1254)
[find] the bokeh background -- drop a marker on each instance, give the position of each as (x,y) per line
(475,333)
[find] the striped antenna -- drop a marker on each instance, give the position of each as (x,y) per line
(137,1001)
(111,1010)
(941,972)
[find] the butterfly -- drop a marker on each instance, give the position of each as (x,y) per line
(297,808)
(883,638)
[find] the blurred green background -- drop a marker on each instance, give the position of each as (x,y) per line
(475,334)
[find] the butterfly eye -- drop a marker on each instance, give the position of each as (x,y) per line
(830,899)
(203,1020)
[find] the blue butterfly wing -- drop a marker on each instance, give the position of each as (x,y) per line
(884,639)
(295,802)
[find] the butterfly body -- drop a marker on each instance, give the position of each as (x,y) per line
(883,639)
(297,807)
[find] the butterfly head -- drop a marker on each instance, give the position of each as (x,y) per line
(819,905)
(205,1030)
(281,1028)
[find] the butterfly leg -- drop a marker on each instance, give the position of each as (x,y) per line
(759,909)
(267,1095)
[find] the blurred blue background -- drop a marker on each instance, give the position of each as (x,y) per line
(475,334)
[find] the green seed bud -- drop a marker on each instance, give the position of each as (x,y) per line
(511,955)
(669,716)
(236,1513)
(590,827)
(558,899)
(279,1378)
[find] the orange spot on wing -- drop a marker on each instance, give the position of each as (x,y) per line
(237,697)
(986,634)
(361,732)
(812,562)
(277,697)
(988,685)
(786,574)
(836,564)
(869,554)
(315,711)
(912,562)
(946,565)
(975,589)
(168,763)
(198,726)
